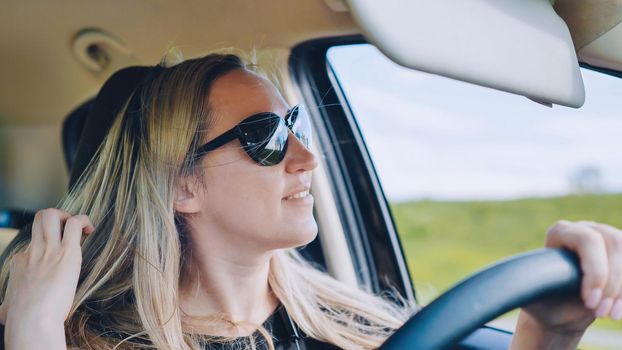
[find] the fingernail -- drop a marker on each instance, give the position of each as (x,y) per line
(616,311)
(594,298)
(604,307)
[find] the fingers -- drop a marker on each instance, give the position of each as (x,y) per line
(611,303)
(590,246)
(54,228)
(600,250)
(51,225)
(46,231)
(74,227)
(37,243)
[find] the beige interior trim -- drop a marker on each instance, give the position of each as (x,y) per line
(588,20)
(6,235)
(605,51)
(332,235)
(337,5)
(32,166)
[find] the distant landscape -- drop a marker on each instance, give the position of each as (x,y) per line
(446,241)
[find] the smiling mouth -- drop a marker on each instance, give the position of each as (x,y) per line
(298,195)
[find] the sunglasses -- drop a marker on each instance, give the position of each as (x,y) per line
(264,136)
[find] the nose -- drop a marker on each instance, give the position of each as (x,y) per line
(298,156)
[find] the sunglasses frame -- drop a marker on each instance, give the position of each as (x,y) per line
(252,149)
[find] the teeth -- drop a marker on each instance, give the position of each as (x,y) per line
(298,195)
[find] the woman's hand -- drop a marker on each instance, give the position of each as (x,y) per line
(43,278)
(599,248)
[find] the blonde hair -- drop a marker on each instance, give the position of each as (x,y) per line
(127,295)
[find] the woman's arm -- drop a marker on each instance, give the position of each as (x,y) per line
(26,332)
(530,336)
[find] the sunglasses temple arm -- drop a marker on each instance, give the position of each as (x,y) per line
(217,142)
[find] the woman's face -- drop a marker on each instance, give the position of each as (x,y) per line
(242,205)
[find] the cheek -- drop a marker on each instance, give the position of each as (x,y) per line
(243,200)
(245,204)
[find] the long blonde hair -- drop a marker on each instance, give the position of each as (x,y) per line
(127,295)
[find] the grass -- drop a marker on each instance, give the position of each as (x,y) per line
(447,241)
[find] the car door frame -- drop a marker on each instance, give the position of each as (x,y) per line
(362,206)
(364,211)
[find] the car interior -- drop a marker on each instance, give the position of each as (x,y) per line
(56,55)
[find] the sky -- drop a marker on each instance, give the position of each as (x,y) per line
(438,138)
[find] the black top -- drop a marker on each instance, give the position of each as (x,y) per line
(285,335)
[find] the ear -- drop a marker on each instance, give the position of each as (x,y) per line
(187,199)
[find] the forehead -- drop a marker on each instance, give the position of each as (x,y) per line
(239,94)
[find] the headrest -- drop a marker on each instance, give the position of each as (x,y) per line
(100,115)
(111,98)
(72,129)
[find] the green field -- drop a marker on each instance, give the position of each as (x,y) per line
(446,241)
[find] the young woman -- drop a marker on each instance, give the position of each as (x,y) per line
(180,232)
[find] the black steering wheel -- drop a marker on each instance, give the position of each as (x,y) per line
(486,295)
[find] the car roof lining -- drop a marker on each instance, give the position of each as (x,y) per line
(39,63)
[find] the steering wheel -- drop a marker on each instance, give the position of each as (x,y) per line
(484,296)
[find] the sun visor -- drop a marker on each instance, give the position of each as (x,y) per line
(518,46)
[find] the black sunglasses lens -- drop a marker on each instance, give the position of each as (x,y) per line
(301,125)
(265,138)
(265,135)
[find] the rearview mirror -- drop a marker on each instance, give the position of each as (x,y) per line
(518,46)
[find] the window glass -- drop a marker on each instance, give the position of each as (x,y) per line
(473,175)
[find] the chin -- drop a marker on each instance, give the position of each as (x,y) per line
(302,236)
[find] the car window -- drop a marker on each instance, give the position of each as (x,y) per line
(473,175)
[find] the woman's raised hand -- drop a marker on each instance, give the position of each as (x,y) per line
(44,277)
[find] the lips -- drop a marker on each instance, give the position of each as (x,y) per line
(298,192)
(298,195)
